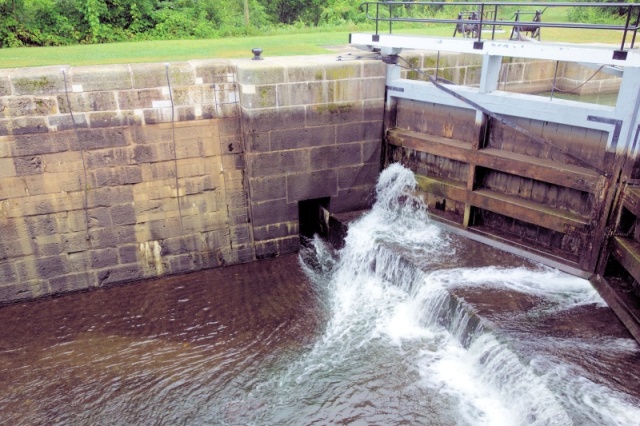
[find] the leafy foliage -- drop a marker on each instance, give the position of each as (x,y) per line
(65,22)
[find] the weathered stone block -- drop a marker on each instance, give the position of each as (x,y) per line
(120,274)
(226,94)
(304,93)
(37,81)
(135,99)
(90,139)
(155,75)
(28,106)
(164,228)
(302,138)
(343,70)
(105,177)
(238,216)
(329,157)
(102,77)
(65,122)
(354,132)
(84,102)
(48,245)
(274,211)
(231,144)
(233,162)
(258,141)
(15,248)
(334,113)
(373,88)
(153,153)
(110,157)
(8,272)
(207,259)
(260,72)
(16,291)
(72,282)
(13,188)
(106,119)
(276,163)
(109,196)
(373,69)
(74,242)
(123,214)
(372,151)
(112,236)
(7,168)
(27,125)
(229,126)
(128,253)
(31,165)
(99,217)
(268,188)
(214,70)
(307,186)
(26,145)
(273,231)
(186,113)
(373,110)
(104,258)
(196,185)
(353,199)
(158,115)
(240,235)
(273,119)
(53,266)
(5,84)
(347,91)
(194,95)
(288,245)
(364,175)
(181,264)
(5,146)
(266,249)
(260,97)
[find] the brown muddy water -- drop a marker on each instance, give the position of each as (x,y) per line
(406,324)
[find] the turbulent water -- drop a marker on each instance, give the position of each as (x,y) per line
(395,349)
(378,341)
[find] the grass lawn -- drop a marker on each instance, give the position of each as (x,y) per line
(288,42)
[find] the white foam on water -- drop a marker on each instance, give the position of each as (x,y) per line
(382,311)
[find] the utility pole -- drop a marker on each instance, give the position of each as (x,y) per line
(246,12)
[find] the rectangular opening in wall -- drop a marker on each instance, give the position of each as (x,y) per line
(627,223)
(312,217)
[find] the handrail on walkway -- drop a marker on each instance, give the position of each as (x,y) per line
(488,12)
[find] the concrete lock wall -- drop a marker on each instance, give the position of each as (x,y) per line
(111,174)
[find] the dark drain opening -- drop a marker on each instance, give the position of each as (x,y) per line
(311,214)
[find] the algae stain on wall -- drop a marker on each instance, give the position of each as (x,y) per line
(152,252)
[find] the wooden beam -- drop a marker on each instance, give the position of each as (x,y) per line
(507,205)
(631,200)
(536,168)
(627,252)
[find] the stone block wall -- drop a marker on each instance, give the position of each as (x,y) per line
(149,181)
(312,128)
(110,174)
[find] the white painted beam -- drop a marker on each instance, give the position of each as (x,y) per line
(512,48)
(505,103)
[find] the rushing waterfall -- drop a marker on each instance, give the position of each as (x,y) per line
(397,346)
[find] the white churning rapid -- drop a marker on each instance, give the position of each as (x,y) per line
(396,350)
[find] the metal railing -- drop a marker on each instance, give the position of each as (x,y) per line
(487,16)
